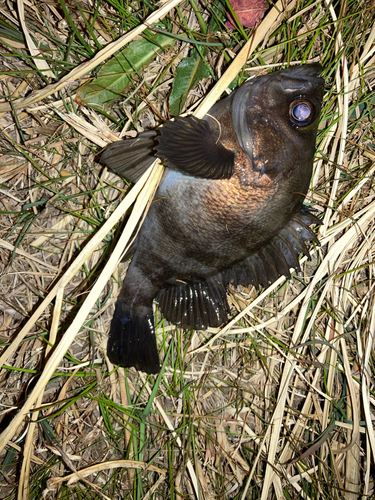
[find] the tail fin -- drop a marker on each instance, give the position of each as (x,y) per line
(132,340)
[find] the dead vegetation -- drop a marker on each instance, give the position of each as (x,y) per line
(279,402)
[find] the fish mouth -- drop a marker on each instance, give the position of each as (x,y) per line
(304,71)
(301,77)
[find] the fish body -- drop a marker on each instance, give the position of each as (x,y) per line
(229,208)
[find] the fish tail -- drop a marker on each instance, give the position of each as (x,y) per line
(132,340)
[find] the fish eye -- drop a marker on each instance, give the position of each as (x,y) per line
(302,113)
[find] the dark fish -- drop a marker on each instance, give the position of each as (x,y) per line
(229,208)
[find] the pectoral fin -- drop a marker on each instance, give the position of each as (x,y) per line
(189,146)
(131,157)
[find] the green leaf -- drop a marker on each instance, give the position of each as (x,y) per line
(115,76)
(189,72)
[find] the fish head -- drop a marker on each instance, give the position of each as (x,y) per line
(275,118)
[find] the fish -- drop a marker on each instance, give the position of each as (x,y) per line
(228,210)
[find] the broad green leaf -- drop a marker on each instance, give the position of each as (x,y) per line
(189,72)
(115,76)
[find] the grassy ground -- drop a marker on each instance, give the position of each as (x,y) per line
(277,404)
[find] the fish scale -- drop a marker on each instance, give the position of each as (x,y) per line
(229,208)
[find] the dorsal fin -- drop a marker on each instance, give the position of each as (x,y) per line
(279,255)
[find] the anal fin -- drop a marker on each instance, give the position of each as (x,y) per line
(196,304)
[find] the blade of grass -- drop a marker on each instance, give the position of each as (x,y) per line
(169,424)
(39,62)
(93,469)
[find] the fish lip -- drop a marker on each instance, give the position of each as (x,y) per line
(300,84)
(308,73)
(301,78)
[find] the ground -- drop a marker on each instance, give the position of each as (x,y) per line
(278,403)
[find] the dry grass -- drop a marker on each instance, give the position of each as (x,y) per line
(277,404)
